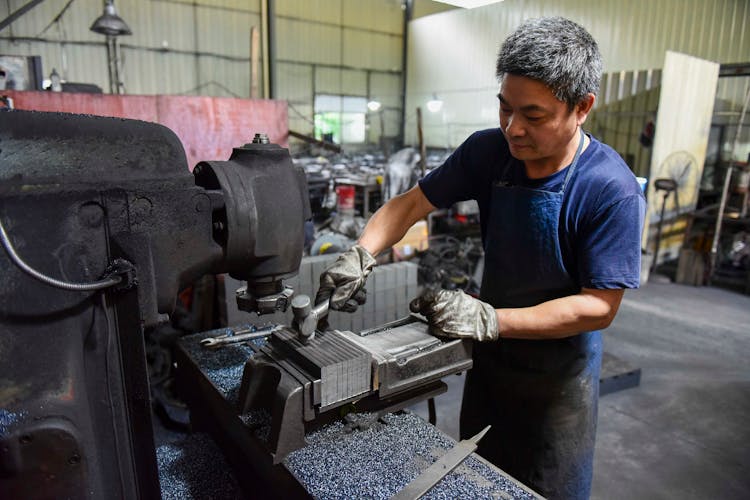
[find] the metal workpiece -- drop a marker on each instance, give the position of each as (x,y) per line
(342,368)
(433,474)
(371,453)
(390,367)
(407,356)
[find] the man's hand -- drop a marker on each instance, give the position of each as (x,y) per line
(456,314)
(344,280)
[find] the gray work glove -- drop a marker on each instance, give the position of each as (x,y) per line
(452,313)
(343,281)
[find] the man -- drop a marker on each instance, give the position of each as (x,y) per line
(561,217)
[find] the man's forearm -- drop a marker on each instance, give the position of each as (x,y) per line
(390,223)
(563,317)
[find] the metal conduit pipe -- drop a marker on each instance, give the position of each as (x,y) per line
(65,285)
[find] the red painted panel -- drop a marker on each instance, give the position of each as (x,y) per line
(224,123)
(138,107)
(209,127)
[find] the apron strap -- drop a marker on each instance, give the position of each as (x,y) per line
(501,180)
(574,163)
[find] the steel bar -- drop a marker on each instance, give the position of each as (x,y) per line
(18,13)
(433,474)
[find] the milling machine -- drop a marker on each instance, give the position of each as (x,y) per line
(102,224)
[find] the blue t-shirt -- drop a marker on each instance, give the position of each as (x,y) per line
(602,212)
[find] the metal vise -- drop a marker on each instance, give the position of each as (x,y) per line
(302,383)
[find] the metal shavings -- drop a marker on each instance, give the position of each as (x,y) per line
(223,367)
(360,421)
(381,455)
(381,460)
(194,468)
(8,419)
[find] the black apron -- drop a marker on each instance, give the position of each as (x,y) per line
(539,395)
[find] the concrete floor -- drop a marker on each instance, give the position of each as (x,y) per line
(685,431)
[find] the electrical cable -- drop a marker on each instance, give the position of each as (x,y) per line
(56,19)
(212,82)
(65,285)
(298,113)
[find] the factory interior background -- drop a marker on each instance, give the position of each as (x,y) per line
(368,96)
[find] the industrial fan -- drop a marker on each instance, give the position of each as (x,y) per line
(677,174)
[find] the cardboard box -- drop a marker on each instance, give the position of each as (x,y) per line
(415,240)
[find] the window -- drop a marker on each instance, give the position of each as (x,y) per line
(340,119)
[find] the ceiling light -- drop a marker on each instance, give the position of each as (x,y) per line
(109,23)
(373,105)
(434,105)
(469,4)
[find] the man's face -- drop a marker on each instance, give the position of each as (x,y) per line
(538,126)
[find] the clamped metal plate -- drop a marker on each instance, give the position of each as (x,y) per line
(406,355)
(298,383)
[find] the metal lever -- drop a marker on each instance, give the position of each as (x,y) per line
(433,474)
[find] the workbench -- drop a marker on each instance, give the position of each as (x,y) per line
(358,456)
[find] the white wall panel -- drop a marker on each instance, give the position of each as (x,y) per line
(224,78)
(156,22)
(376,15)
(428,7)
(308,42)
(178,45)
(354,82)
(679,148)
(295,84)
(235,5)
(341,81)
(453,53)
(386,88)
(152,73)
(363,49)
(203,46)
(225,31)
(321,11)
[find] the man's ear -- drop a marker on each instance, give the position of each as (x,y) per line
(584,107)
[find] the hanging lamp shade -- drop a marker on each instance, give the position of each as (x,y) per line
(109,23)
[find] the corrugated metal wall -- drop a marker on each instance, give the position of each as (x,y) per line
(453,54)
(353,47)
(203,47)
(341,47)
(177,46)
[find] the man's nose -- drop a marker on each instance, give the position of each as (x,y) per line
(514,127)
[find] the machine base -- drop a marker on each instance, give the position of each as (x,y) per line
(368,453)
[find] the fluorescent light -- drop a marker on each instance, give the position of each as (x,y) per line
(373,106)
(469,4)
(434,105)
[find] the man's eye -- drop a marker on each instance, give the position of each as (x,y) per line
(506,111)
(533,118)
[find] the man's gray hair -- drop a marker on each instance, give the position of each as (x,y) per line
(557,52)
